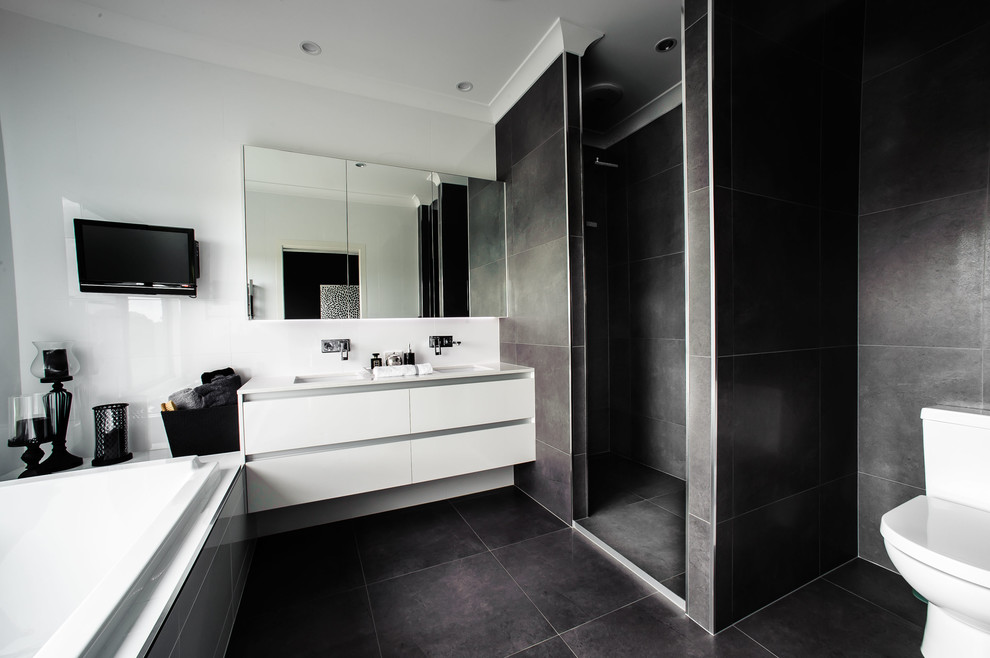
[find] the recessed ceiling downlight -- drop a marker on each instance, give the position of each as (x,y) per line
(666,45)
(465,86)
(310,48)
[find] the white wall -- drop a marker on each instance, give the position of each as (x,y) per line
(132,134)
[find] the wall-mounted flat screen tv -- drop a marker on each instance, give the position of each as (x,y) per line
(136,259)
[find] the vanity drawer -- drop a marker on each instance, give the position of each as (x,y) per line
(304,478)
(470,452)
(477,403)
(303,422)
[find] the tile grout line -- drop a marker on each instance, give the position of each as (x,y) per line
(514,581)
(873,603)
(755,641)
(367,593)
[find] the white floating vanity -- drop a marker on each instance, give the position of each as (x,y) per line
(318,437)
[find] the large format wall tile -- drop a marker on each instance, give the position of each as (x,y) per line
(699,437)
(699,277)
(774,275)
(839,506)
(537,211)
(775,427)
(839,410)
(656,215)
(896,34)
(553,384)
(894,384)
(657,147)
(538,299)
(696,104)
(657,379)
(925,128)
(659,444)
(878,496)
(839,278)
(538,114)
(776,109)
(548,480)
(774,550)
(921,273)
(656,297)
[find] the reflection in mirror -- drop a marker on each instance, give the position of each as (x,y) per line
(329,238)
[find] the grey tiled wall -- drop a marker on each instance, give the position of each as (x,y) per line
(783,107)
(646,345)
(923,229)
(544,327)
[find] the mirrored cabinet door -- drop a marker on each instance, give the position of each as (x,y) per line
(329,238)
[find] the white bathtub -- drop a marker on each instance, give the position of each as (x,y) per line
(82,553)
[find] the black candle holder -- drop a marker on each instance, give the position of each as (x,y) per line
(58,403)
(55,364)
(30,428)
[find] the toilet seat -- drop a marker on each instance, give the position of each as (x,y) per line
(947,536)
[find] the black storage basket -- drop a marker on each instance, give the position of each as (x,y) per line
(202,431)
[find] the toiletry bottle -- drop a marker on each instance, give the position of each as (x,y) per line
(376,360)
(409,357)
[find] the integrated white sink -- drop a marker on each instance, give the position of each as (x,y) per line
(471,367)
(355,375)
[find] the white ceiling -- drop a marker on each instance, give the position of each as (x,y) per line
(409,52)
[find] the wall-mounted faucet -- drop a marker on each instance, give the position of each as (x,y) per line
(334,345)
(438,342)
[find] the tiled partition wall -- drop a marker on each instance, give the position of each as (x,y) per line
(531,143)
(700,328)
(925,158)
(784,126)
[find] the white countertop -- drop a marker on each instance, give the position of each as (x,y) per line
(286,383)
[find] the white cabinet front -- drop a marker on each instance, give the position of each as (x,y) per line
(308,421)
(469,452)
(307,477)
(478,403)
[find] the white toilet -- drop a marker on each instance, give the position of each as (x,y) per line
(940,542)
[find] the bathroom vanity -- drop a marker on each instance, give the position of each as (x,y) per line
(317,437)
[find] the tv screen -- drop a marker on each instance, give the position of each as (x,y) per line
(118,257)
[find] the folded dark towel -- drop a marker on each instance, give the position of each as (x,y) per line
(187,398)
(220,391)
(208,377)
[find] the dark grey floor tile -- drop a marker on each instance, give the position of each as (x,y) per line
(648,536)
(822,619)
(568,578)
(656,627)
(469,607)
(506,517)
(552,648)
(882,587)
(324,560)
(675,502)
(338,625)
(406,540)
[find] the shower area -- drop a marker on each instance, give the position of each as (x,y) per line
(636,350)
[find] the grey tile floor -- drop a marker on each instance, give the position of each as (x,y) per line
(497,575)
(639,512)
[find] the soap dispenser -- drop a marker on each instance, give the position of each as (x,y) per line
(409,357)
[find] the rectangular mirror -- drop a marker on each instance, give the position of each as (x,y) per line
(329,238)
